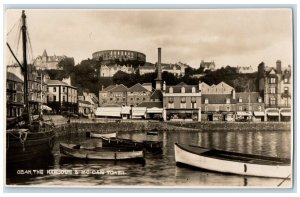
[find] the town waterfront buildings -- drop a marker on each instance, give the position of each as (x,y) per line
(62,97)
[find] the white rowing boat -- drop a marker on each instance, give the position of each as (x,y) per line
(232,162)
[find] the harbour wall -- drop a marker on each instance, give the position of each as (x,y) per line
(170,126)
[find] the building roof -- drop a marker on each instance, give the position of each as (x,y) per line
(12,77)
(245,96)
(137,88)
(217,98)
(57,82)
(177,88)
(109,87)
(157,94)
(151,104)
(119,88)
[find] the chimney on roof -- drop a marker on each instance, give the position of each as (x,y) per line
(278,66)
(200,85)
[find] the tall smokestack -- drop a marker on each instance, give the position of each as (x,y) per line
(159,64)
(158,80)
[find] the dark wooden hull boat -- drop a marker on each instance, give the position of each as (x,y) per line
(232,162)
(151,146)
(28,136)
(99,153)
(23,145)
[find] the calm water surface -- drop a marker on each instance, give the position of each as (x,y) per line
(160,169)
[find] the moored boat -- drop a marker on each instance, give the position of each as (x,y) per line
(232,162)
(150,146)
(99,135)
(28,136)
(99,153)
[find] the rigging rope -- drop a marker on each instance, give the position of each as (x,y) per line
(19,20)
(30,45)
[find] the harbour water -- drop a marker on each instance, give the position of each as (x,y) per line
(157,169)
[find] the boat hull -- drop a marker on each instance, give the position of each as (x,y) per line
(99,135)
(184,156)
(34,146)
(151,146)
(72,151)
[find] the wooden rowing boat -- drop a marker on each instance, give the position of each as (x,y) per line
(100,153)
(99,135)
(151,146)
(232,162)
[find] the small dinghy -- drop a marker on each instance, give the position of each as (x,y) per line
(232,162)
(99,135)
(100,153)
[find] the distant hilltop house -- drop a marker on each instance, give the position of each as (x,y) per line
(208,65)
(46,62)
(246,69)
(111,70)
(177,69)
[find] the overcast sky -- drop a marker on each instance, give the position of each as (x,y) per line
(229,37)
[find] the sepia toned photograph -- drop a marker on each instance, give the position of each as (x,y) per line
(149,98)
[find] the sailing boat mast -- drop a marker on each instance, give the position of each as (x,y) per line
(25,66)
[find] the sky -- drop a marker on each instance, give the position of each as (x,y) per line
(235,37)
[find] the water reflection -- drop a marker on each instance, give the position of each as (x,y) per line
(161,170)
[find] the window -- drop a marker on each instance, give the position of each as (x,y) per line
(228,108)
(64,98)
(286,90)
(144,99)
(171,100)
(54,89)
(259,100)
(183,99)
(272,80)
(14,98)
(64,89)
(111,99)
(170,105)
(117,99)
(206,108)
(137,99)
(171,90)
(131,99)
(206,101)
(54,98)
(240,100)
(193,90)
(286,80)
(240,108)
(182,105)
(227,100)
(194,105)
(272,90)
(182,90)
(193,99)
(273,101)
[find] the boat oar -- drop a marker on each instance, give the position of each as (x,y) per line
(283,180)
